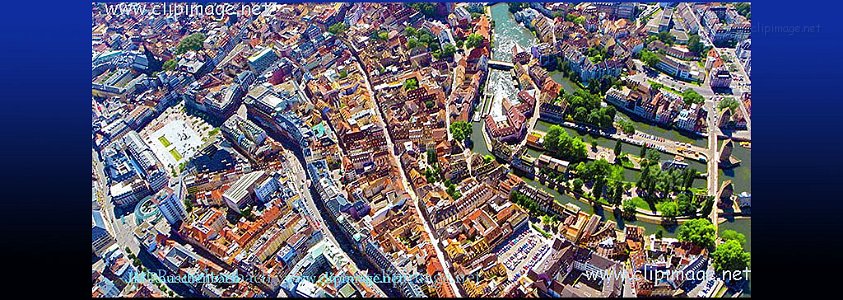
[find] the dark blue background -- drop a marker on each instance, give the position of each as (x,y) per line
(46,146)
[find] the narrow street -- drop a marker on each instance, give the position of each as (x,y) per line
(409,188)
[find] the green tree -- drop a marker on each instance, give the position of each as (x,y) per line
(698,231)
(474,40)
(691,96)
(411,84)
(743,9)
(627,126)
(669,209)
(383,35)
(191,42)
(649,58)
(429,10)
(730,256)
(685,205)
(448,50)
(412,42)
(629,207)
(618,148)
(170,65)
(461,130)
(431,156)
(578,185)
(659,234)
(597,188)
(337,28)
(694,44)
(247,213)
(579,20)
(561,145)
(731,235)
(729,103)
(188,205)
(666,37)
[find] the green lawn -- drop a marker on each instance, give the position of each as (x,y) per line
(175,154)
(540,230)
(164,141)
(641,203)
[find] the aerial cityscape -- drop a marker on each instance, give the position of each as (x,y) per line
(421,149)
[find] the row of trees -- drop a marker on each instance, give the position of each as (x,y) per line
(626,126)
(529,204)
(654,180)
(430,10)
(607,179)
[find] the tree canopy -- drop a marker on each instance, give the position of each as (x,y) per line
(461,130)
(586,108)
(170,65)
(697,231)
(649,58)
(191,42)
(561,145)
(731,235)
(669,209)
(691,96)
(629,207)
(337,28)
(626,126)
(473,40)
(411,84)
(730,256)
(730,103)
(695,45)
(743,9)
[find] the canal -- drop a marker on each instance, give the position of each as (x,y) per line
(740,175)
(667,133)
(500,86)
(610,143)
